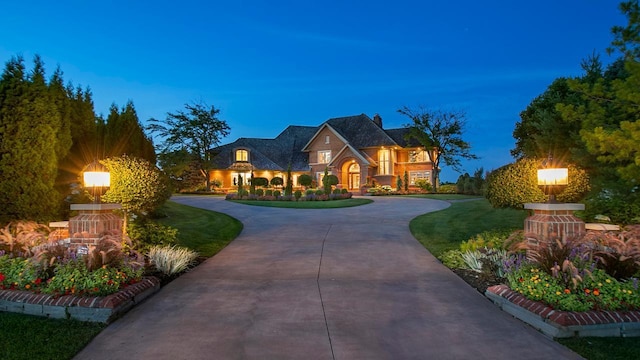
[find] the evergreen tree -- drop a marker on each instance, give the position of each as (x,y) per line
(28,129)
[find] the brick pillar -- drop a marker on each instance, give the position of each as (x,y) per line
(551,221)
(93,222)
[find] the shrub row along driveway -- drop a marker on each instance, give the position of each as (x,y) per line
(348,283)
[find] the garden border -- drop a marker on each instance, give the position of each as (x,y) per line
(102,309)
(565,324)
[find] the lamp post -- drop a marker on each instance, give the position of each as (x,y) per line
(96,220)
(552,219)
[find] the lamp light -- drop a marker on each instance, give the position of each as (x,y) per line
(96,177)
(552,178)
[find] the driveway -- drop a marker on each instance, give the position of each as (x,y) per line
(348,283)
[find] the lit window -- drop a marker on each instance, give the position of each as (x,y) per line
(415,175)
(324,156)
(242,155)
(326,139)
(418,156)
(384,162)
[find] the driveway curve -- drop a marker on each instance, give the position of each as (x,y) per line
(349,283)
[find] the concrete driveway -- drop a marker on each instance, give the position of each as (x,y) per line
(347,283)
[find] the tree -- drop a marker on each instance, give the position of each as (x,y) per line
(440,132)
(276,181)
(196,130)
(29,124)
(289,188)
(136,184)
(406,181)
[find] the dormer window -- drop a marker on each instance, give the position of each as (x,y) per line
(242,155)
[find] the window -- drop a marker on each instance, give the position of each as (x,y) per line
(242,155)
(324,156)
(326,139)
(384,162)
(418,156)
(415,175)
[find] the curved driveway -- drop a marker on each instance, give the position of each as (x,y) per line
(348,283)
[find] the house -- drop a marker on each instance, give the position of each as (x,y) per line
(357,149)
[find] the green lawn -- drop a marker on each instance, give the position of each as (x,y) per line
(446,229)
(446,197)
(204,231)
(604,348)
(33,337)
(307,204)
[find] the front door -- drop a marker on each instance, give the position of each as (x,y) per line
(354,176)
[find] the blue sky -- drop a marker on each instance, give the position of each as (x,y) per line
(269,64)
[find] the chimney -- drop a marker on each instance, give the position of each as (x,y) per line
(377,120)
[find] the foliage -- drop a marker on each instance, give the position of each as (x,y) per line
(406,181)
(398,183)
(598,291)
(440,133)
(514,184)
(19,238)
(121,133)
(260,181)
(492,239)
(260,192)
(453,259)
(136,184)
(305,180)
(313,203)
(297,194)
(196,129)
(289,187)
(617,253)
(619,204)
(469,185)
(146,233)
(29,124)
(277,193)
(447,189)
(328,181)
(276,181)
(424,185)
(171,260)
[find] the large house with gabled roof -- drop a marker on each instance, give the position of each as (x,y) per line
(357,149)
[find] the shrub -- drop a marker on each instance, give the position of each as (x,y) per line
(494,239)
(268,193)
(310,192)
(260,181)
(259,192)
(423,184)
(344,191)
(277,193)
(337,191)
(297,194)
(170,260)
(453,259)
(305,180)
(20,237)
(617,254)
(447,189)
(319,192)
(146,233)
(277,181)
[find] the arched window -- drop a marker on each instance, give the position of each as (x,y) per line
(242,155)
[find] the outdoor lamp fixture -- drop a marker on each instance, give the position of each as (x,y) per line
(552,179)
(96,177)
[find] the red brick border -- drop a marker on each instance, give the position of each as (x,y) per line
(109,306)
(566,319)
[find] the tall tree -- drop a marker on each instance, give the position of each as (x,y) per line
(196,129)
(440,132)
(28,128)
(122,133)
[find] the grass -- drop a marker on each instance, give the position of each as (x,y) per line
(604,348)
(444,230)
(33,337)
(446,197)
(204,231)
(333,204)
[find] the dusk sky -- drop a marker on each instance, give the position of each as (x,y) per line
(270,64)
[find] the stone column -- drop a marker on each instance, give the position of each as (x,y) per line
(550,221)
(93,223)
